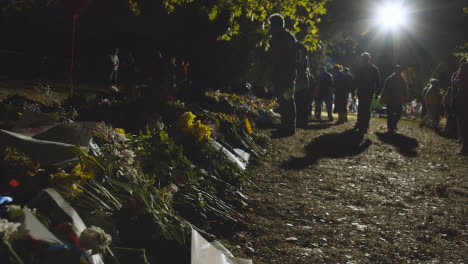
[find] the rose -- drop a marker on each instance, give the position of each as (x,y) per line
(95,238)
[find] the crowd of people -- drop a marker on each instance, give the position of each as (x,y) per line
(297,90)
(157,76)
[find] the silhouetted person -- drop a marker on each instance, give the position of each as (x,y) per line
(181,72)
(395,93)
(461,105)
(283,50)
(325,94)
(172,66)
(114,63)
(129,75)
(367,82)
(423,102)
(189,74)
(433,101)
(348,79)
(453,98)
(181,79)
(341,94)
(301,94)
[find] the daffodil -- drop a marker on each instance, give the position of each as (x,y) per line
(59,175)
(120,131)
(248,127)
(76,171)
(186,120)
(201,131)
(76,190)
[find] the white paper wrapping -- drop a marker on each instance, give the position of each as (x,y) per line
(241,159)
(204,252)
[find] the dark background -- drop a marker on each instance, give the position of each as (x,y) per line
(29,35)
(427,44)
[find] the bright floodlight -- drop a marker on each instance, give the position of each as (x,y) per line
(391,16)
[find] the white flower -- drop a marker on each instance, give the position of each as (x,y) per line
(119,137)
(130,173)
(95,238)
(127,155)
(8,228)
(159,126)
(116,152)
(12,207)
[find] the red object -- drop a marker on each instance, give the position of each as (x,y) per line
(75,17)
(14,183)
(35,129)
(67,230)
(77,6)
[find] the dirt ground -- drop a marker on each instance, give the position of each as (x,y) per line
(329,196)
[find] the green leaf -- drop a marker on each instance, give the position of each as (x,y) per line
(213,13)
(164,136)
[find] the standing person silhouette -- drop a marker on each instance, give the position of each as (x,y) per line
(368,86)
(283,50)
(394,95)
(325,94)
(341,93)
(461,106)
(114,62)
(302,94)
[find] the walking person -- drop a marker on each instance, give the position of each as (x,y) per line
(394,95)
(325,94)
(283,50)
(368,86)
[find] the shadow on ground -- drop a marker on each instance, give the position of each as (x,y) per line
(276,134)
(404,145)
(336,145)
(322,125)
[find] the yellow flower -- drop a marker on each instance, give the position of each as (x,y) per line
(76,171)
(120,131)
(59,175)
(186,120)
(200,131)
(88,172)
(76,190)
(248,127)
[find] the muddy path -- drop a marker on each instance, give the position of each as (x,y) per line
(330,196)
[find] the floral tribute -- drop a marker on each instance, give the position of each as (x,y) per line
(139,189)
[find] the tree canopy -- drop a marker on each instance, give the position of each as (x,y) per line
(302,16)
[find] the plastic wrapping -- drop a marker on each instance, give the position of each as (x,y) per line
(241,159)
(204,252)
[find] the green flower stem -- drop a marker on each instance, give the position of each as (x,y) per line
(13,252)
(116,261)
